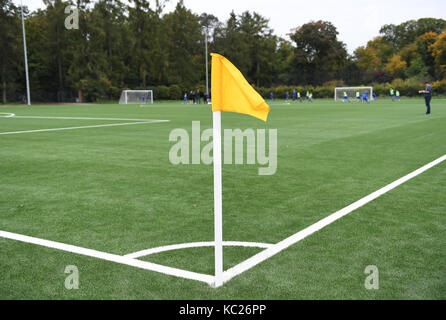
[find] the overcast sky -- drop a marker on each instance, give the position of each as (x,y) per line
(357,21)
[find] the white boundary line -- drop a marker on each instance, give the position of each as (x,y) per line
(148,252)
(275,249)
(83,127)
(8,115)
(84,118)
(241,267)
(110,257)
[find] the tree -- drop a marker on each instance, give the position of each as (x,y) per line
(56,36)
(384,49)
(439,53)
(407,32)
(141,21)
(417,69)
(230,42)
(185,47)
(318,53)
(423,44)
(10,44)
(396,66)
(367,58)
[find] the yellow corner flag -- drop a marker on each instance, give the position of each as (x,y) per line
(231,92)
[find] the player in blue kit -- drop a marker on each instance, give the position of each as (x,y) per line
(365,97)
(392,94)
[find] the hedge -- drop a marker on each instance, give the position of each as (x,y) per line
(407,87)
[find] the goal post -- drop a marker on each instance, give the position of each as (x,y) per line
(351,92)
(136,97)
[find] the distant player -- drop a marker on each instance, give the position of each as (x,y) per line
(310,97)
(365,97)
(287,97)
(398,96)
(358,96)
(345,97)
(392,94)
(375,97)
(185,99)
(271,96)
(294,95)
(427,97)
(307,96)
(198,96)
(299,96)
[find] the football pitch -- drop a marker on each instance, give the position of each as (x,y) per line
(98,177)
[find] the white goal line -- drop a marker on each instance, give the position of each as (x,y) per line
(83,118)
(139,121)
(110,257)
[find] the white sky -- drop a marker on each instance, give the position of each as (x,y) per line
(357,21)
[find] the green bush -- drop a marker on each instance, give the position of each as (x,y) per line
(175,92)
(439,87)
(162,93)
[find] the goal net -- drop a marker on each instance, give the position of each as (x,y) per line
(136,97)
(352,93)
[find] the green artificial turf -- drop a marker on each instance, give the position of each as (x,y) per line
(113,189)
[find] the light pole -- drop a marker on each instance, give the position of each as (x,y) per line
(26,57)
(206,45)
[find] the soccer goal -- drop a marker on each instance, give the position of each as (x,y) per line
(136,97)
(351,92)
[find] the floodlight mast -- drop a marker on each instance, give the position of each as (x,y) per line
(26,57)
(206,45)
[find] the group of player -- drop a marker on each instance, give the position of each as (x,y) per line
(395,94)
(296,96)
(194,97)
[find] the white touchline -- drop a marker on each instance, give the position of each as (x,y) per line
(6,115)
(82,118)
(83,127)
(110,257)
(275,249)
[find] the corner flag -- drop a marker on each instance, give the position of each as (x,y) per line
(230,92)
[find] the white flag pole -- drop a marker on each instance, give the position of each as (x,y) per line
(26,57)
(218,217)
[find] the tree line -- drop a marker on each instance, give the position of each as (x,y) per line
(138,45)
